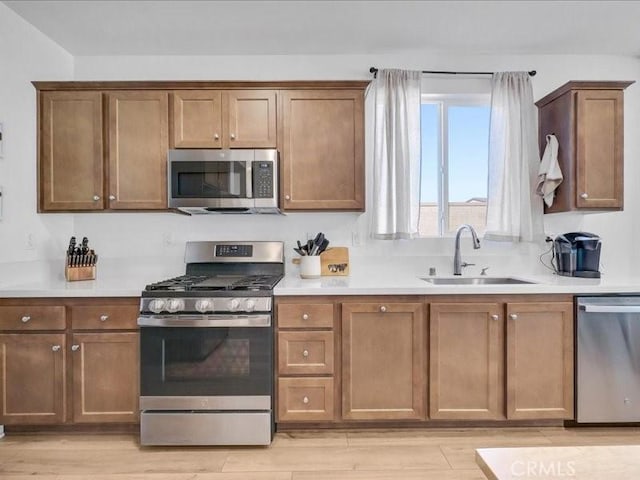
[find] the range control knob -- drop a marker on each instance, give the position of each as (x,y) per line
(204,305)
(175,305)
(157,305)
(233,304)
(250,304)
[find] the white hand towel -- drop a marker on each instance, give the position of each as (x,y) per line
(549,173)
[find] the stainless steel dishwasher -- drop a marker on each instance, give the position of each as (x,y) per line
(608,351)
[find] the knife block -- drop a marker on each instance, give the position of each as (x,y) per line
(73,274)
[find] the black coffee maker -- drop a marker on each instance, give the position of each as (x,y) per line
(577,254)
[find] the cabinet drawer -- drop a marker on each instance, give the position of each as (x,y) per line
(303,315)
(305,352)
(104,317)
(305,399)
(25,317)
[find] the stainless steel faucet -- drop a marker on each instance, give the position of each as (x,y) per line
(457,264)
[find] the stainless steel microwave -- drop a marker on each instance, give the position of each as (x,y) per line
(223,181)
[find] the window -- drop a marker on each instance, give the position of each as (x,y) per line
(455,152)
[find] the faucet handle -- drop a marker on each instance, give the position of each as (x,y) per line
(484,271)
(465,264)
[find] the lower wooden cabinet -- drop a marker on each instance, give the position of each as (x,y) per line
(51,374)
(466,361)
(540,360)
(383,369)
(32,378)
(305,399)
(105,377)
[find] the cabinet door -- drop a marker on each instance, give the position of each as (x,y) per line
(322,150)
(466,361)
(138,144)
(32,379)
(599,144)
(539,360)
(383,368)
(105,377)
(197,119)
(250,119)
(71,153)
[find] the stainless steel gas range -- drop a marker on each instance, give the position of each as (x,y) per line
(206,348)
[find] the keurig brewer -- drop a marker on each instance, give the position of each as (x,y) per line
(577,254)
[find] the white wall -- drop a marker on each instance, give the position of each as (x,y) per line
(26,55)
(166,233)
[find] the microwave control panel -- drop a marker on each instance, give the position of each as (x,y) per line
(262,179)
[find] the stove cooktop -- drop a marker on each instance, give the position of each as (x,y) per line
(210,284)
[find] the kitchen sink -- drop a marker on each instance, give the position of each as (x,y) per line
(474,280)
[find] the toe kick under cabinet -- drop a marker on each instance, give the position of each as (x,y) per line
(68,361)
(383,360)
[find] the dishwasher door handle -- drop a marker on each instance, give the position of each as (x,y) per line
(610,308)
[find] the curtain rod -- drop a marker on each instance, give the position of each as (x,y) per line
(374,70)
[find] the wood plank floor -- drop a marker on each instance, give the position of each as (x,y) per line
(426,454)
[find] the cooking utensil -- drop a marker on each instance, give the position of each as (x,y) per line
(323,246)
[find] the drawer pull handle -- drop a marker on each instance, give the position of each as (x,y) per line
(584,195)
(26,318)
(56,348)
(75,348)
(383,309)
(104,318)
(305,400)
(495,317)
(305,316)
(513,316)
(305,353)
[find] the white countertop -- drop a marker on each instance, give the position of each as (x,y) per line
(127,278)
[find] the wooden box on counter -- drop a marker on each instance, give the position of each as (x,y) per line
(334,261)
(72,274)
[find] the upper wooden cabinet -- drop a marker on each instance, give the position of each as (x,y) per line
(587,119)
(322,149)
(81,172)
(383,355)
(71,153)
(138,135)
(224,119)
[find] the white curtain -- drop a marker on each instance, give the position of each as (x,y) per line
(514,211)
(396,155)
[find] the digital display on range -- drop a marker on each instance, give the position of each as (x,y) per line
(234,250)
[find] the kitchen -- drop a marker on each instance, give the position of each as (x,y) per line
(137,249)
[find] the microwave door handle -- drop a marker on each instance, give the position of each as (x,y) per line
(249,178)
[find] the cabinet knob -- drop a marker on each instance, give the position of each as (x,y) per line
(55,348)
(584,195)
(305,316)
(513,316)
(233,136)
(495,317)
(112,197)
(383,308)
(96,198)
(26,318)
(75,348)
(216,137)
(305,353)
(305,399)
(104,318)
(287,197)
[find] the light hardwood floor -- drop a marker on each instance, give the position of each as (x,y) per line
(426,454)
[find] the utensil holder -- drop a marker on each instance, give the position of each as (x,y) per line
(310,266)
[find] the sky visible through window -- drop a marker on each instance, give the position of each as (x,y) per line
(468,150)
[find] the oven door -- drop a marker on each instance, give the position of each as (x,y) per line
(209,178)
(206,362)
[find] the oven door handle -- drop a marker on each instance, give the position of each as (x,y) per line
(207,321)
